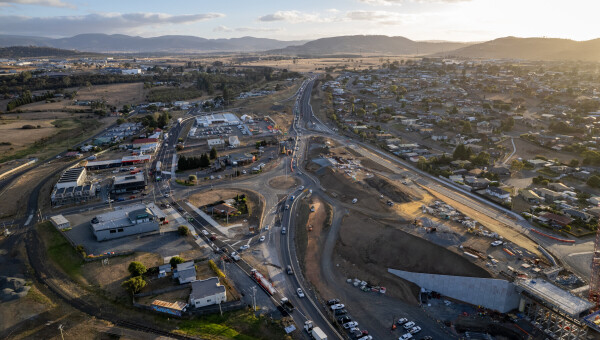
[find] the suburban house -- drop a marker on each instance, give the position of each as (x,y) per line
(555,220)
(500,171)
(530,197)
(207,292)
(558,187)
(578,214)
(185,272)
(224,209)
(497,192)
(549,195)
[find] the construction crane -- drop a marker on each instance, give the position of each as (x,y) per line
(594,296)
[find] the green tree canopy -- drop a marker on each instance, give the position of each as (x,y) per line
(175,260)
(136,268)
(134,285)
(213,153)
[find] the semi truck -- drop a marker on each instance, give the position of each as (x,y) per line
(314,332)
(287,305)
(262,281)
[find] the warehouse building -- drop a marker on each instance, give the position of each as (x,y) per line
(71,178)
(219,118)
(60,222)
(129,183)
(207,292)
(125,221)
(72,187)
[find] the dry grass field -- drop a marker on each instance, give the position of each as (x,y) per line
(114,94)
(319,64)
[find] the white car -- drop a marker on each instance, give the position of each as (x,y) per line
(338,306)
(415,330)
(406,336)
(350,324)
(262,238)
(496,243)
(244,172)
(167,195)
(300,292)
(402,321)
(301,188)
(409,325)
(354,201)
(244,247)
(267,227)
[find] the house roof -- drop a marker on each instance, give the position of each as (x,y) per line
(145,140)
(529,194)
(576,214)
(562,220)
(205,288)
(497,190)
(177,305)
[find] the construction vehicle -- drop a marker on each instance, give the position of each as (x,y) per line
(287,305)
(315,332)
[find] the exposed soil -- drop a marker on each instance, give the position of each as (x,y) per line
(254,202)
(284,182)
(367,248)
(314,248)
(396,192)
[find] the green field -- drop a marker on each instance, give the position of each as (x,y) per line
(60,251)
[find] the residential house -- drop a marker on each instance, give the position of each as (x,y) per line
(185,272)
(500,171)
(215,142)
(555,220)
(548,195)
(594,212)
(207,292)
(578,214)
(224,209)
(594,200)
(530,197)
(477,183)
(497,192)
(558,187)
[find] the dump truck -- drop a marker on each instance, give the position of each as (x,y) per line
(314,332)
(287,305)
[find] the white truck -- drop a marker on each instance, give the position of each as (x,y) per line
(315,332)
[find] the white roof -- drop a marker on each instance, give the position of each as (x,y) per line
(59,219)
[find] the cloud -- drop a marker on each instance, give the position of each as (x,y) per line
(399,2)
(292,16)
(49,3)
(370,15)
(222,28)
(95,23)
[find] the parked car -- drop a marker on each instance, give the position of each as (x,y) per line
(350,324)
(244,247)
(409,325)
(344,319)
(340,312)
(366,337)
(260,239)
(167,195)
(300,292)
(402,321)
(338,306)
(333,302)
(415,330)
(406,336)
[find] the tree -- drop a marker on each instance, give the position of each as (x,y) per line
(175,260)
(466,127)
(594,181)
(213,153)
(574,163)
(192,178)
(462,152)
(483,158)
(516,165)
(204,161)
(134,285)
(361,112)
(183,230)
(136,268)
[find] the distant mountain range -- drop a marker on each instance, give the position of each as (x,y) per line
(105,43)
(370,44)
(502,48)
(531,49)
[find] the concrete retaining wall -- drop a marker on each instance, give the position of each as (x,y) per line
(496,294)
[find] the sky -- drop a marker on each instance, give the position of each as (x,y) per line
(453,20)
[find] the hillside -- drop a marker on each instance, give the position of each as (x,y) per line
(531,49)
(131,44)
(34,52)
(369,44)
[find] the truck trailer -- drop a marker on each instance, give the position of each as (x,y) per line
(262,281)
(315,332)
(287,305)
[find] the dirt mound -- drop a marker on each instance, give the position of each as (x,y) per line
(283,182)
(346,189)
(391,190)
(369,248)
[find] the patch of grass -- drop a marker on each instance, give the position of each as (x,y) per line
(184,183)
(60,250)
(301,238)
(35,295)
(239,325)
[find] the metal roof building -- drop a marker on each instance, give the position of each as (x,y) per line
(125,221)
(71,178)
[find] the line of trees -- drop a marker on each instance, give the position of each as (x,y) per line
(188,163)
(27,98)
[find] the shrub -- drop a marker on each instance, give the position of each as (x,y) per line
(175,260)
(27,127)
(216,269)
(134,285)
(183,230)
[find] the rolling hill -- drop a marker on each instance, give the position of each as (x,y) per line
(369,44)
(531,49)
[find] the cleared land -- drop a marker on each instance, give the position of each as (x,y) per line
(319,64)
(114,94)
(528,150)
(283,182)
(255,203)
(368,247)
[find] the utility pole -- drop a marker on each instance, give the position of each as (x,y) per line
(254,299)
(220,310)
(60,327)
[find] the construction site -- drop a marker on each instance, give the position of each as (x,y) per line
(421,247)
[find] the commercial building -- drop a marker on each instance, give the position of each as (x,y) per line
(207,292)
(129,183)
(125,221)
(215,142)
(71,178)
(220,118)
(234,141)
(60,222)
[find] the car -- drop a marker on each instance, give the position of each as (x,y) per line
(496,243)
(340,312)
(283,231)
(409,325)
(415,330)
(300,292)
(167,195)
(262,238)
(402,321)
(244,172)
(406,336)
(366,337)
(354,201)
(350,324)
(290,271)
(267,227)
(109,201)
(219,177)
(301,188)
(244,247)
(337,306)
(427,338)
(213,237)
(333,302)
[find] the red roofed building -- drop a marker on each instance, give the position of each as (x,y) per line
(556,220)
(144,141)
